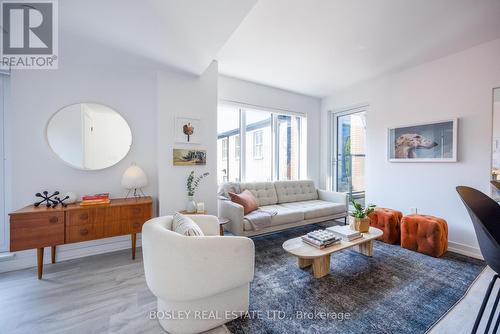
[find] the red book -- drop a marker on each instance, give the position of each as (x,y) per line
(95,197)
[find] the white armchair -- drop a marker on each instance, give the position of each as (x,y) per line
(204,280)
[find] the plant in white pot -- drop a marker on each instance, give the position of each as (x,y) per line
(359,217)
(192,184)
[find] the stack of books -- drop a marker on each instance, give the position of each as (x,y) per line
(320,238)
(95,199)
(345,232)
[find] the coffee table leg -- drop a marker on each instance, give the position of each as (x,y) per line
(304,263)
(321,266)
(365,248)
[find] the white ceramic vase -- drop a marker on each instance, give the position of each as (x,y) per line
(191,205)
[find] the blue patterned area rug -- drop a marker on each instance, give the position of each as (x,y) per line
(395,291)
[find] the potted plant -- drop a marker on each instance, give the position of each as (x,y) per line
(359,217)
(192,184)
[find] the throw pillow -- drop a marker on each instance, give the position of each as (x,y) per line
(228,187)
(186,226)
(246,199)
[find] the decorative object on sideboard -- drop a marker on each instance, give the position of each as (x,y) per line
(182,157)
(187,130)
(72,197)
(134,179)
(89,136)
(62,201)
(48,200)
(359,217)
(428,142)
(192,184)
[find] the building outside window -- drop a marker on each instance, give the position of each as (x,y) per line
(237,148)
(224,148)
(257,144)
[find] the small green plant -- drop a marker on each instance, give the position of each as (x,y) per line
(193,182)
(359,212)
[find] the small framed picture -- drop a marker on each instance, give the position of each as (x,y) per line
(187,130)
(187,157)
(426,142)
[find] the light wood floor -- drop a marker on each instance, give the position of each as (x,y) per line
(108,294)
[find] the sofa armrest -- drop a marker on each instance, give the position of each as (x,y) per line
(334,197)
(235,213)
(209,224)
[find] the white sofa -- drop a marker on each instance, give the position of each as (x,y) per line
(196,276)
(297,203)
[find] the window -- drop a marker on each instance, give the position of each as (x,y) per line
(3,220)
(228,145)
(257,144)
(237,149)
(267,146)
(350,136)
(224,149)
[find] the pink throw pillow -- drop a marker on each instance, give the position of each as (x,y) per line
(246,199)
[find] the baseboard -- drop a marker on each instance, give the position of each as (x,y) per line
(465,250)
(27,259)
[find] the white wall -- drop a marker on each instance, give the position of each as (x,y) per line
(459,85)
(192,97)
(125,83)
(231,89)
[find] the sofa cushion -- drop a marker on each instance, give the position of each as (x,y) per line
(284,216)
(295,191)
(186,226)
(316,208)
(246,200)
(264,192)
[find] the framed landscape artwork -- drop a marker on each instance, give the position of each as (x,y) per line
(187,130)
(428,142)
(187,157)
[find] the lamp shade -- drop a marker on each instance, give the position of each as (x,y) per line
(134,177)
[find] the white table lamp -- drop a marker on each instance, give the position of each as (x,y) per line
(134,179)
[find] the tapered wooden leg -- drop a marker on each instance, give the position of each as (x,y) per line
(365,248)
(134,238)
(321,266)
(39,258)
(221,230)
(53,254)
(303,263)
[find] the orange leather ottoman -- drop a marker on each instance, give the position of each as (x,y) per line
(424,234)
(388,221)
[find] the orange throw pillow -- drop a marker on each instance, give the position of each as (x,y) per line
(246,199)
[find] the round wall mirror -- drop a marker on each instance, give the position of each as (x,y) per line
(89,136)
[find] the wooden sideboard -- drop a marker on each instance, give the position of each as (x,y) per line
(38,227)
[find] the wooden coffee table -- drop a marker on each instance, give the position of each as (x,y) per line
(320,258)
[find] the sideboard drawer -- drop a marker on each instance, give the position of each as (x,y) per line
(79,233)
(134,211)
(78,217)
(36,230)
(132,226)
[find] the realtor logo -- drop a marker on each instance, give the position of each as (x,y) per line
(29,34)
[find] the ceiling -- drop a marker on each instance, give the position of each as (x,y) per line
(184,34)
(318,46)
